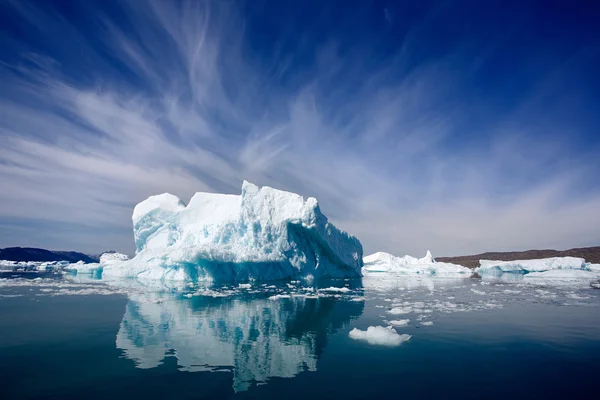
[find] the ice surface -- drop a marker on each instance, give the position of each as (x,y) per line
(379,335)
(107,258)
(32,265)
(546,271)
(82,268)
(525,266)
(564,276)
(407,265)
(593,267)
(399,322)
(262,234)
(335,289)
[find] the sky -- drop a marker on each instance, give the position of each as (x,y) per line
(454,126)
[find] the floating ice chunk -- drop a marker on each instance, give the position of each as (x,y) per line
(407,265)
(479,292)
(335,289)
(563,275)
(525,266)
(399,322)
(82,268)
(280,296)
(593,267)
(212,293)
(379,335)
(576,296)
(110,257)
(427,323)
(400,310)
(263,233)
(545,294)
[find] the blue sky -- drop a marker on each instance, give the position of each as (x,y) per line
(455,126)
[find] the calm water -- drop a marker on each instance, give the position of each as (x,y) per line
(69,338)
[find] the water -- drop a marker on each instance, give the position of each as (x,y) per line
(77,338)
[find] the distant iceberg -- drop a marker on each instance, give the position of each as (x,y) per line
(544,271)
(592,267)
(527,266)
(262,234)
(407,265)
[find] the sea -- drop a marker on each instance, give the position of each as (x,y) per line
(68,337)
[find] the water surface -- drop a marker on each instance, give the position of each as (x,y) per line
(69,337)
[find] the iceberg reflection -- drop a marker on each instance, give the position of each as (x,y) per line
(254,338)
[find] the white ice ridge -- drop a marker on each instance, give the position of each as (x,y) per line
(263,233)
(407,265)
(537,265)
(379,335)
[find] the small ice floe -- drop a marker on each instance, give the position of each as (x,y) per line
(545,294)
(576,296)
(245,285)
(335,289)
(427,323)
(400,310)
(479,292)
(379,335)
(280,296)
(399,322)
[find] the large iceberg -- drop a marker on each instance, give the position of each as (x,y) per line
(407,265)
(527,266)
(263,233)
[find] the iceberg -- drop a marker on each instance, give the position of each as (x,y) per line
(526,266)
(263,234)
(592,267)
(407,265)
(82,268)
(563,274)
(95,269)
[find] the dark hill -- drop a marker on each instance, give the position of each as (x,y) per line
(590,254)
(33,254)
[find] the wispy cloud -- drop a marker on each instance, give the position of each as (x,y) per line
(173,97)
